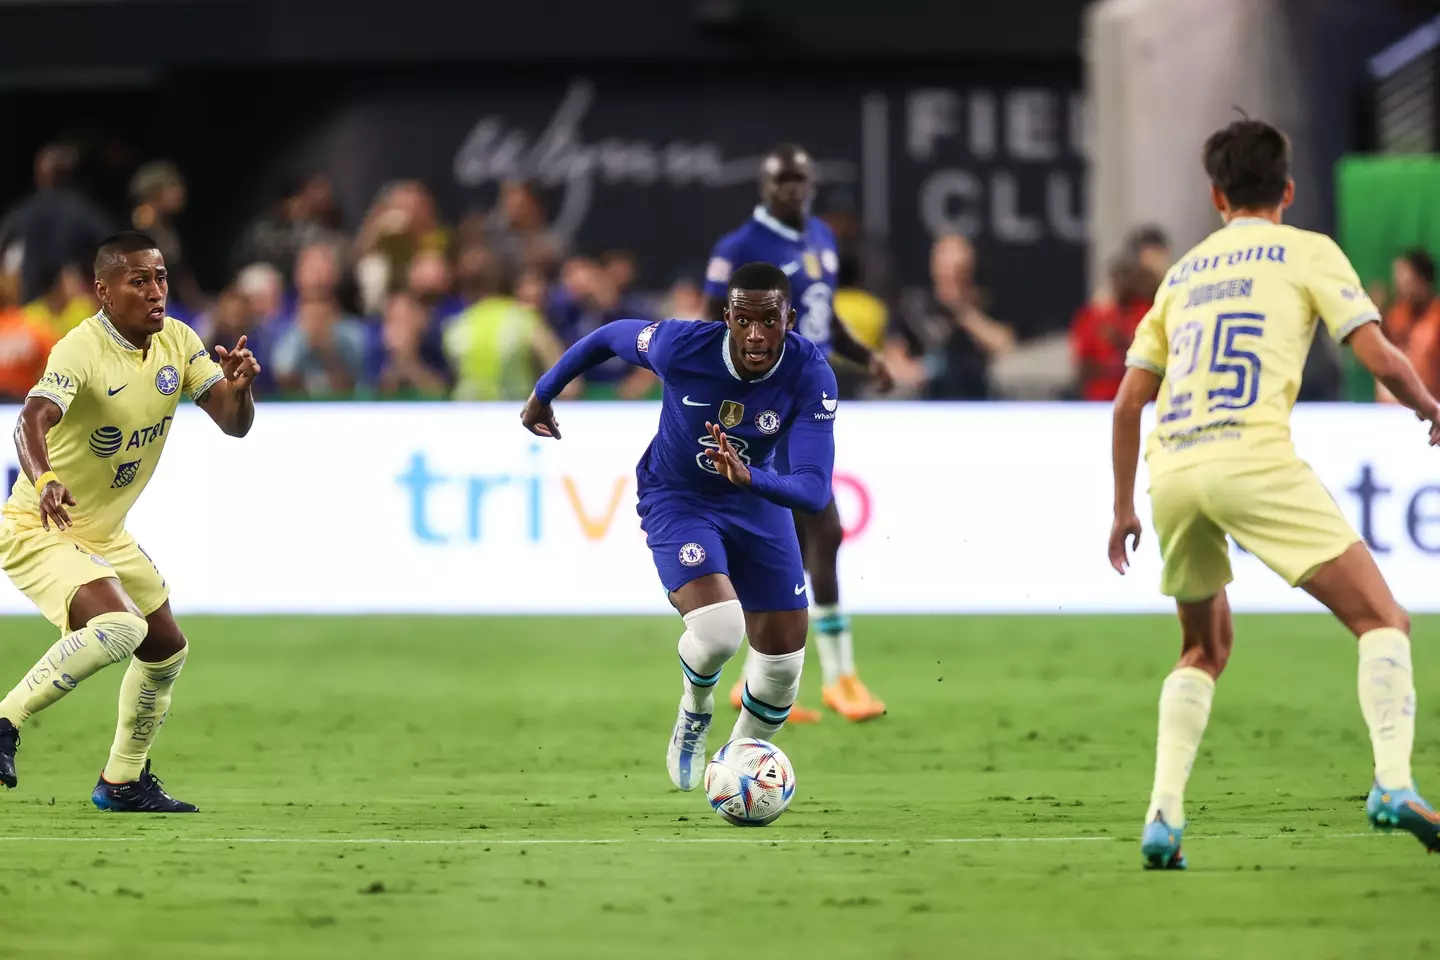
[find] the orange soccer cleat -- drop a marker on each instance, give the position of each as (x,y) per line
(850,698)
(798,714)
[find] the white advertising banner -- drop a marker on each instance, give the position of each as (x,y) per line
(950,508)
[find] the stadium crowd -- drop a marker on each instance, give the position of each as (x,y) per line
(406,306)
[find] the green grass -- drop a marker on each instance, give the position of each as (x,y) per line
(486,735)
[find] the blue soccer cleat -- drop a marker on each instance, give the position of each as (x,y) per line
(1160,845)
(143,795)
(9,743)
(1404,810)
(685,757)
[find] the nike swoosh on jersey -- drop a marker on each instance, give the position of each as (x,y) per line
(799,589)
(692,403)
(111,391)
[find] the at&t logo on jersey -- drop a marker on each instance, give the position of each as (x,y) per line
(105,442)
(167,381)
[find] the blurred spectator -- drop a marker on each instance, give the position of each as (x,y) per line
(518,231)
(867,318)
(402,222)
(56,225)
(1413,321)
(68,300)
(408,367)
(322,355)
(317,273)
(1149,248)
(431,282)
(589,299)
(498,346)
(158,190)
(1102,330)
(949,327)
(252,306)
(532,289)
(24,346)
(304,216)
(685,301)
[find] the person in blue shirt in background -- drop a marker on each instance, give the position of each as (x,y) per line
(715,511)
(782,232)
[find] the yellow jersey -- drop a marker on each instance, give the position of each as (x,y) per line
(1229,332)
(116,403)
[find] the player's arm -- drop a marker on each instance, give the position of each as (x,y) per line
(807,487)
(45,405)
(223,390)
(1352,317)
(1141,385)
(630,340)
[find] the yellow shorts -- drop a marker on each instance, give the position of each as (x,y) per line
(48,567)
(1280,512)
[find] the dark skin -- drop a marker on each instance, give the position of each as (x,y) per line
(787,186)
(133,289)
(758,321)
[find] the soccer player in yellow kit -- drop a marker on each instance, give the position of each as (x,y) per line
(89,437)
(1223,347)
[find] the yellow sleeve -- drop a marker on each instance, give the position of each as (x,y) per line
(1149,350)
(66,371)
(201,373)
(1336,292)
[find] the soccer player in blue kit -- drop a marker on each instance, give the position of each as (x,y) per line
(782,232)
(716,515)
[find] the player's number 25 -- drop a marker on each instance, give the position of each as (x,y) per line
(1228,359)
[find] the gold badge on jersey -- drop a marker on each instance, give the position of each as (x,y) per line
(731,413)
(812,266)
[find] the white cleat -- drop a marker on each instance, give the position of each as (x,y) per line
(685,757)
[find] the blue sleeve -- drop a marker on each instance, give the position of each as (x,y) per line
(723,261)
(630,340)
(807,486)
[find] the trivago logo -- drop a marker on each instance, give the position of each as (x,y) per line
(447,506)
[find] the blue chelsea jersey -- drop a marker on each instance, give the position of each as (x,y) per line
(809,259)
(795,402)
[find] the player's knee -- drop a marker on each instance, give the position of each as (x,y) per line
(720,627)
(120,633)
(829,532)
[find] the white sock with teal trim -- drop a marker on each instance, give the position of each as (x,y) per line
(1185,701)
(833,644)
(712,636)
(771,683)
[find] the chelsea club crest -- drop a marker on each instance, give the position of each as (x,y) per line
(767,422)
(167,381)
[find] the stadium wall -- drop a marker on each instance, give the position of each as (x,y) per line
(951,508)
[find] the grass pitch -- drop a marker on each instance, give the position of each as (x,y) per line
(472,787)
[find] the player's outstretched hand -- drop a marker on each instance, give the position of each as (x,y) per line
(53,501)
(239,365)
(880,373)
(727,462)
(539,418)
(1125,529)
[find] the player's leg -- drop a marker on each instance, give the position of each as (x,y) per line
(79,593)
(1353,588)
(765,566)
(690,557)
(1196,570)
(146,690)
(821,535)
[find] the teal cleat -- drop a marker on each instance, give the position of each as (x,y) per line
(1404,810)
(1160,845)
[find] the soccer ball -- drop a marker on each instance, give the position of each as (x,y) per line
(750,782)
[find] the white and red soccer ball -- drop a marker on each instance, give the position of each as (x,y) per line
(750,782)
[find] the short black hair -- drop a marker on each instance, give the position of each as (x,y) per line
(760,276)
(1421,262)
(1249,161)
(1146,235)
(114,248)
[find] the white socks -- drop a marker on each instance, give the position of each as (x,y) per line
(1387,699)
(108,638)
(833,644)
(771,684)
(1185,702)
(712,636)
